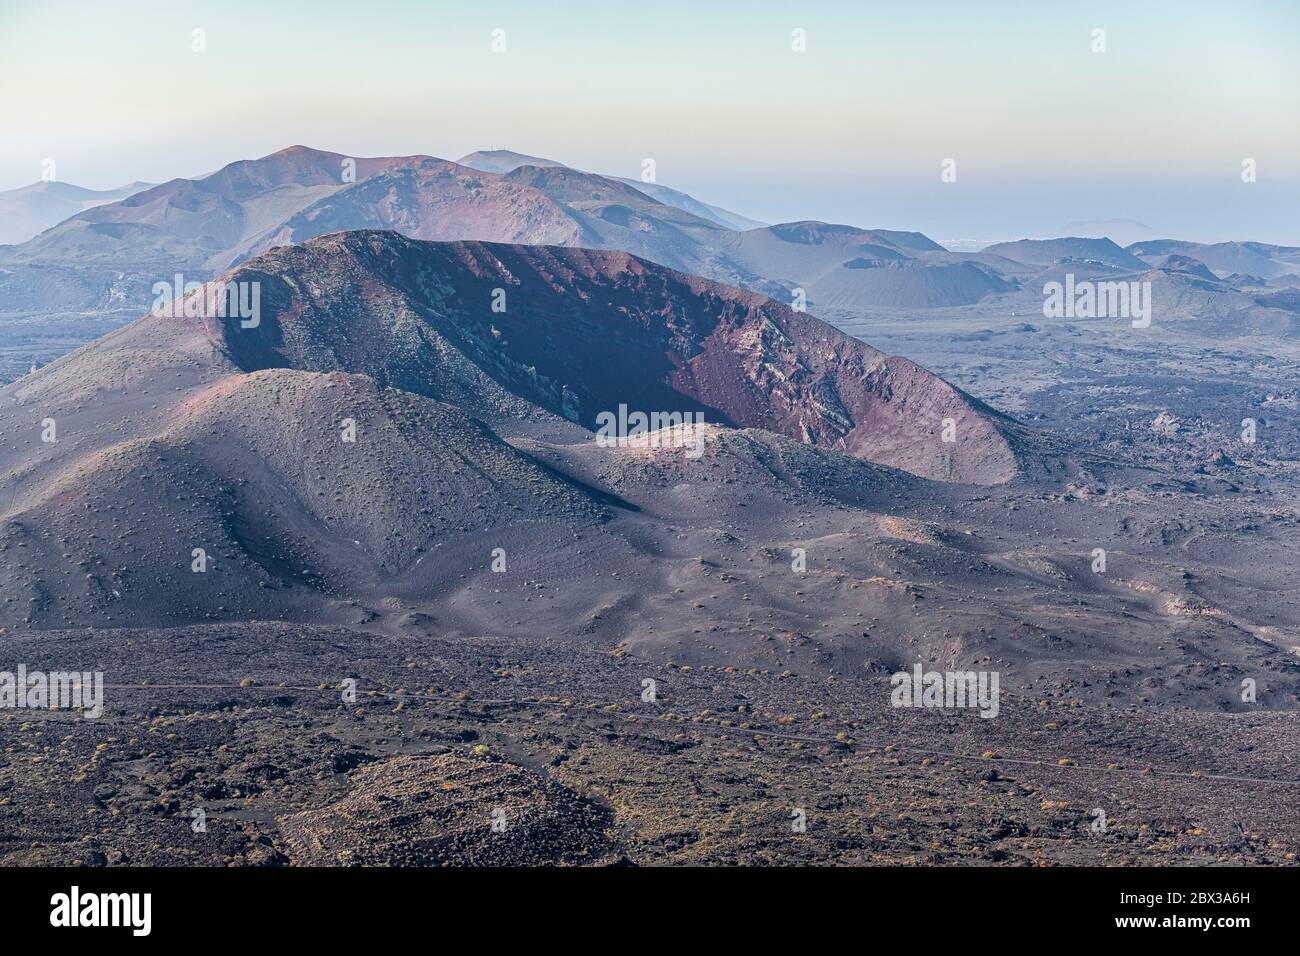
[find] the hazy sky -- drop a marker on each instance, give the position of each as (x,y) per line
(1043,130)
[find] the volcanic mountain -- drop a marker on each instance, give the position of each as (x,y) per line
(578,332)
(178,440)
(504,160)
(1185,265)
(553,205)
(435,199)
(508,330)
(202,223)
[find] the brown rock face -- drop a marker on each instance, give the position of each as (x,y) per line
(577,332)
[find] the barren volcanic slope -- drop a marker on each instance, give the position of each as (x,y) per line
(227,436)
(247,469)
(434,199)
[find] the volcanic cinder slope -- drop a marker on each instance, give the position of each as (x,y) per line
(100,267)
(591,330)
(176,433)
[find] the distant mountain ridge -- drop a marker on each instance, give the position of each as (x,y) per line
(109,257)
(1046,252)
(30,210)
(504,161)
(1224,258)
(203,226)
(1123,232)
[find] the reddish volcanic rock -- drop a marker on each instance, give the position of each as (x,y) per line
(585,331)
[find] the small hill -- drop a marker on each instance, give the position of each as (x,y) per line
(1046,252)
(501,160)
(1225,258)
